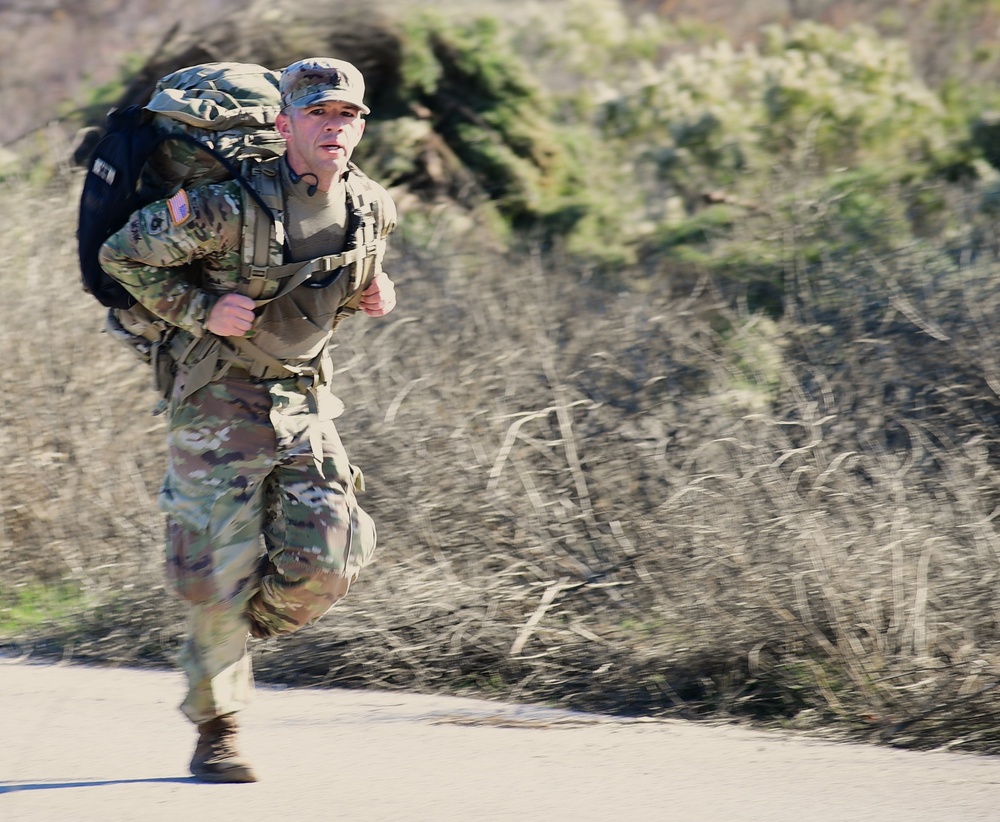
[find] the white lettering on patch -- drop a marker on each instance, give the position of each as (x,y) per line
(105,171)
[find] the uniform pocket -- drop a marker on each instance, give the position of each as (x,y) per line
(357,479)
(189,566)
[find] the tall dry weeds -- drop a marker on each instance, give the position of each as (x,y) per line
(632,502)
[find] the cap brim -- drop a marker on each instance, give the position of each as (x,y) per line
(328,97)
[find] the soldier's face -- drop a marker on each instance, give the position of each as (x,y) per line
(320,139)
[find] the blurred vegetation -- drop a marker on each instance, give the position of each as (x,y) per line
(690,404)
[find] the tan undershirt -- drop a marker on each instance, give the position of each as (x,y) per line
(316,224)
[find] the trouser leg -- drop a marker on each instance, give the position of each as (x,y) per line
(318,536)
(215,661)
(214,655)
(221,451)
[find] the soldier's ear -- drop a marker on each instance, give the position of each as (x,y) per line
(281,124)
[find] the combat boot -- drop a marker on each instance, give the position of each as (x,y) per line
(216,758)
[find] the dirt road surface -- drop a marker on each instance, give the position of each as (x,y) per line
(108,745)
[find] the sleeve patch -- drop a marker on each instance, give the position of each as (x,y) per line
(153,220)
(180,208)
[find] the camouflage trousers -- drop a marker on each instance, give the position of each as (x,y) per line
(256,528)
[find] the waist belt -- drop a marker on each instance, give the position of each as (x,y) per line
(238,372)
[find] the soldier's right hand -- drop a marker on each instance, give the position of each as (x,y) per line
(231,316)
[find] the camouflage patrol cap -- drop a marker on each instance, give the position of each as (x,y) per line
(322,80)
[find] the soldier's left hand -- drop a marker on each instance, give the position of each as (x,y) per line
(380,296)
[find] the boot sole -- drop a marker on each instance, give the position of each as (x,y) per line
(235,775)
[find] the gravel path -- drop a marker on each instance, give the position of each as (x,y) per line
(108,745)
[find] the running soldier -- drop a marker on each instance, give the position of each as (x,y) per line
(264,530)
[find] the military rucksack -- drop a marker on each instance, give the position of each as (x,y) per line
(200,125)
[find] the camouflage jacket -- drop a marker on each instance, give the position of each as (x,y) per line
(178,256)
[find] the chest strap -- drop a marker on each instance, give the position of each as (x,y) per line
(315,267)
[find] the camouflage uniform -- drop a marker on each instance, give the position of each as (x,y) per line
(243,463)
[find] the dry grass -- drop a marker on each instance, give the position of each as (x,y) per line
(642,502)
(583,497)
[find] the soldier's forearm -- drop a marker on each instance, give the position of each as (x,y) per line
(160,291)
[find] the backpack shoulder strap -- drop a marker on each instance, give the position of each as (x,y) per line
(263,239)
(369,202)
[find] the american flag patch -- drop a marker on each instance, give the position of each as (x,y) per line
(180,208)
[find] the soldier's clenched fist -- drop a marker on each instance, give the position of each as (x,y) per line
(231,316)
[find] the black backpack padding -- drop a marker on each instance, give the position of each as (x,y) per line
(111,192)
